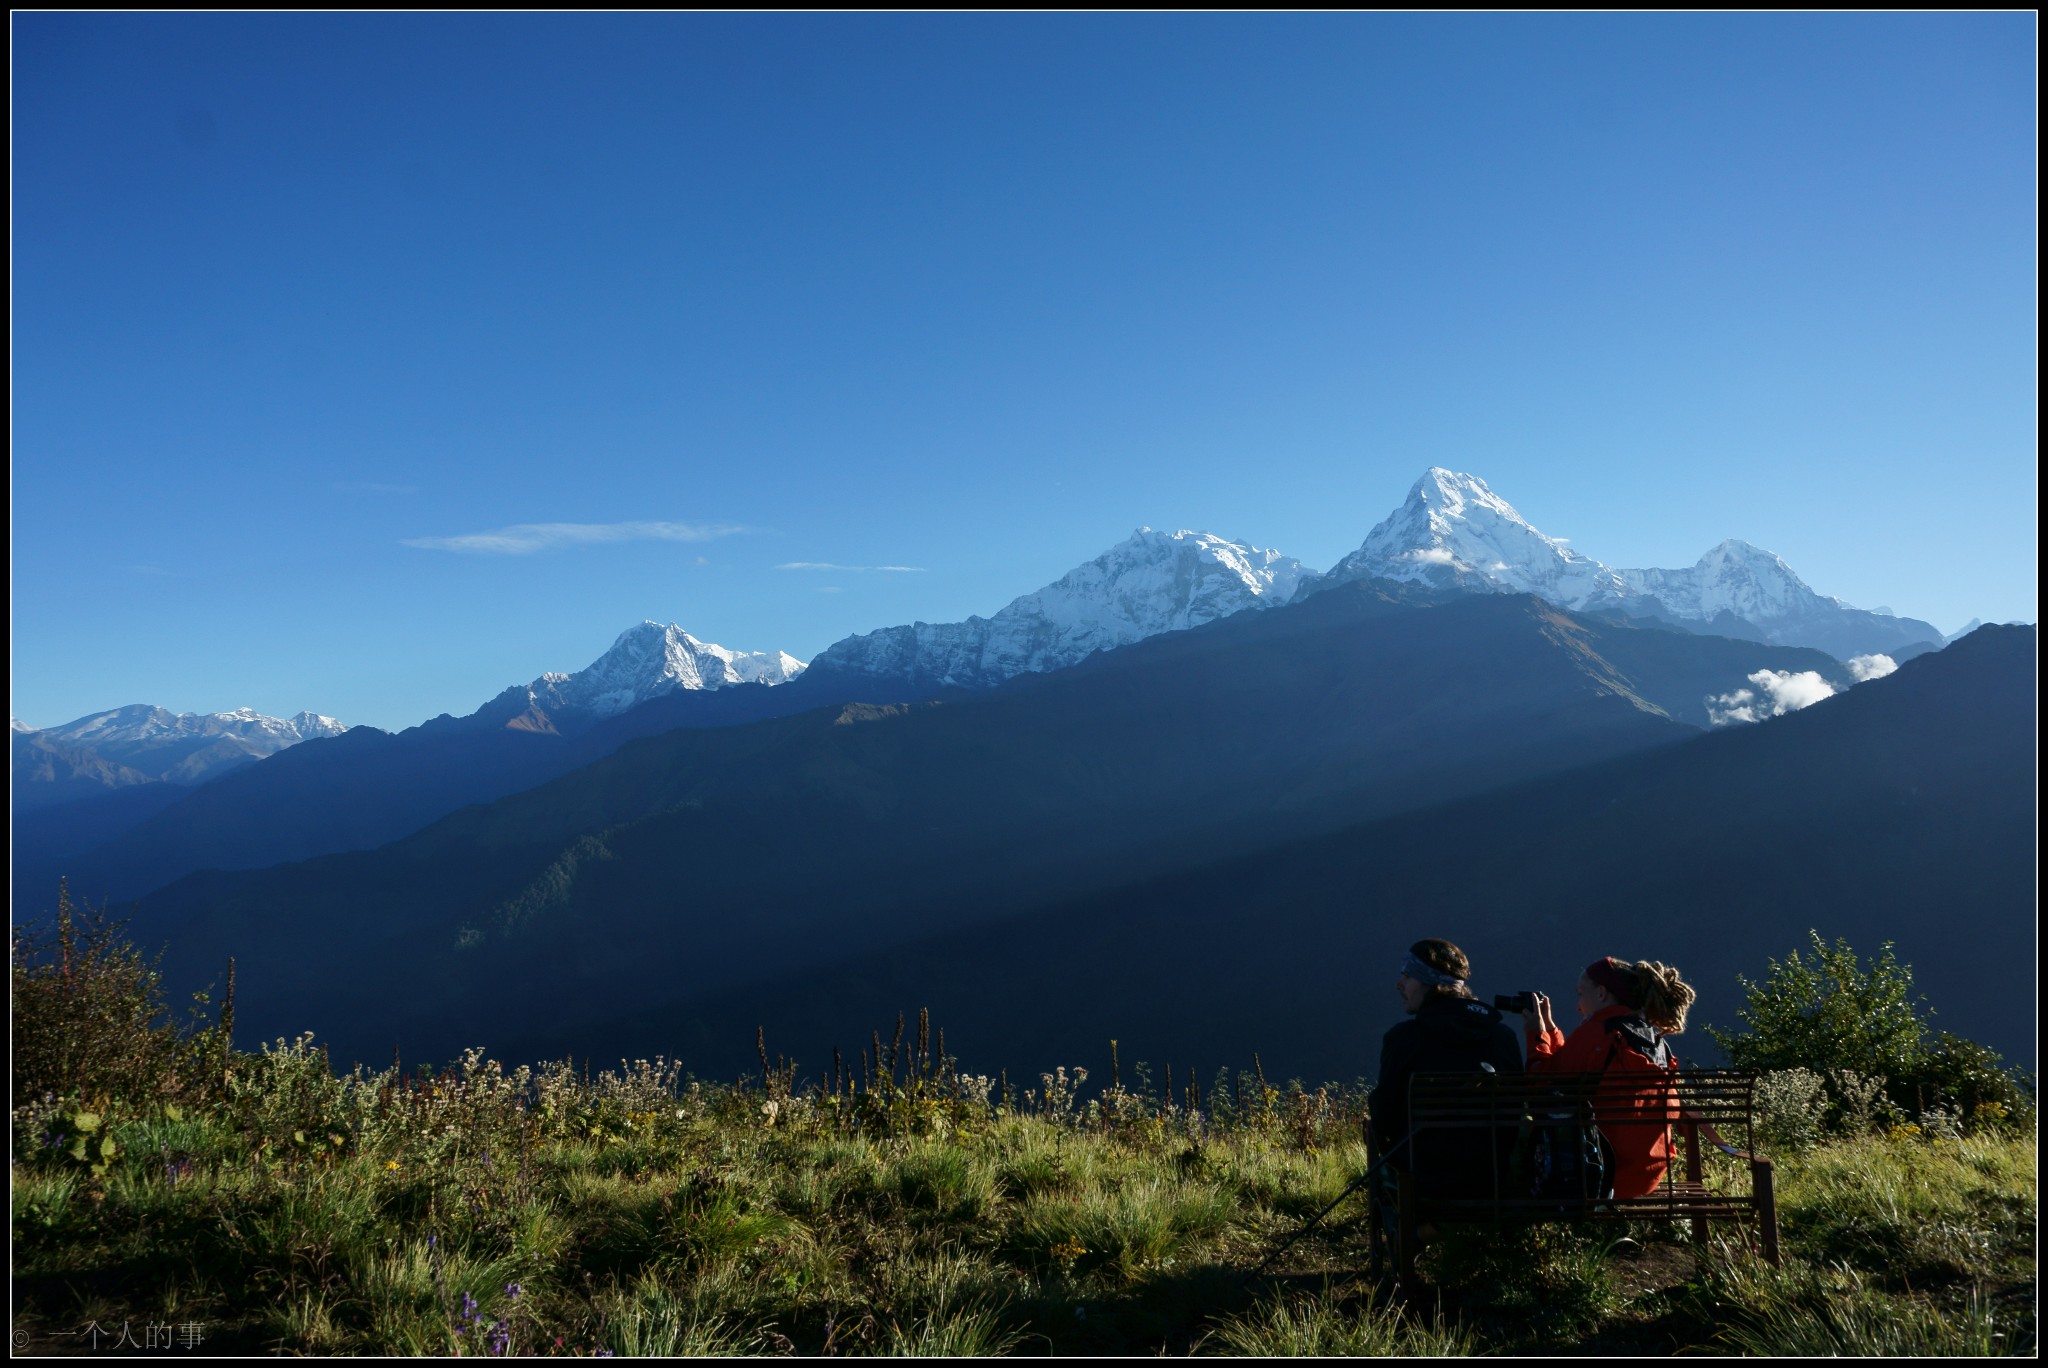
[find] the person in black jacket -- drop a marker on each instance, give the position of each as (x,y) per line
(1448,1031)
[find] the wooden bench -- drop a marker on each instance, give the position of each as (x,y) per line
(1694,1104)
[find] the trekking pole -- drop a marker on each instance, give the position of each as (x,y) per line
(1360,1181)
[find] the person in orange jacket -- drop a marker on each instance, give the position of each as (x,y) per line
(1628,1010)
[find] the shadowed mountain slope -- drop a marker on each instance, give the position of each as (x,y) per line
(357,791)
(701,859)
(1903,811)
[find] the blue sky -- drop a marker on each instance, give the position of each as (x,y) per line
(302,301)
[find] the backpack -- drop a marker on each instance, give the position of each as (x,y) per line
(1567,1156)
(1569,1159)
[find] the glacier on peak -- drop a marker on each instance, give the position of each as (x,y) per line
(648,660)
(1149,583)
(1454,531)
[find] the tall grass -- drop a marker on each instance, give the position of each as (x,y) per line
(471,1208)
(1328,1325)
(1808,1312)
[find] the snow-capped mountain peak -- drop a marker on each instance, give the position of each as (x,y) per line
(1754,584)
(187,748)
(652,659)
(141,723)
(1151,582)
(1453,529)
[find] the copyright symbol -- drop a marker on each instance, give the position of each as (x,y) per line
(21,1339)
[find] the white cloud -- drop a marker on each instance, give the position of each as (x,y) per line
(1782,691)
(523,539)
(1866,668)
(1434,555)
(856,569)
(1739,706)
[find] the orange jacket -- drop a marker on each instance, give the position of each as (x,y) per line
(1642,1150)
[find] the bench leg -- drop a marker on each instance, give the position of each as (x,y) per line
(1407,1238)
(1694,1174)
(1376,1241)
(1764,1183)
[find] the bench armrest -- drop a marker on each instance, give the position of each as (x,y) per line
(1714,1138)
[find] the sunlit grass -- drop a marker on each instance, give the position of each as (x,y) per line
(637,1215)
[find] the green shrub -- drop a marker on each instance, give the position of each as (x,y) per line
(1971,1080)
(1861,1028)
(88,1013)
(1789,1107)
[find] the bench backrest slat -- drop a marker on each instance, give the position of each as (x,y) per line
(1721,1097)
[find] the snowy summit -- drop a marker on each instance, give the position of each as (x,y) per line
(650,660)
(185,748)
(1453,530)
(1151,583)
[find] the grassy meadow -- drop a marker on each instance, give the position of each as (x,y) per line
(904,1207)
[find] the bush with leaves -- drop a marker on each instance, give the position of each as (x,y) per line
(1860,1026)
(1971,1080)
(89,1017)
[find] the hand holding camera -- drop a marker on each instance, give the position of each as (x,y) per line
(1533,1006)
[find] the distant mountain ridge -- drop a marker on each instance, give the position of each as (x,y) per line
(702,857)
(1901,812)
(1150,583)
(356,788)
(1452,535)
(646,662)
(1454,531)
(141,743)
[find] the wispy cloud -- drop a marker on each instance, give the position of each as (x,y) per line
(371,487)
(523,539)
(854,569)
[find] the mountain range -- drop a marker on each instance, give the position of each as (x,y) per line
(142,744)
(706,859)
(1154,582)
(1901,812)
(1452,533)
(680,830)
(1454,530)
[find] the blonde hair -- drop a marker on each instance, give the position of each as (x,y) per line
(1660,995)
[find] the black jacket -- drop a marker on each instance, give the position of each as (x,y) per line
(1447,1035)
